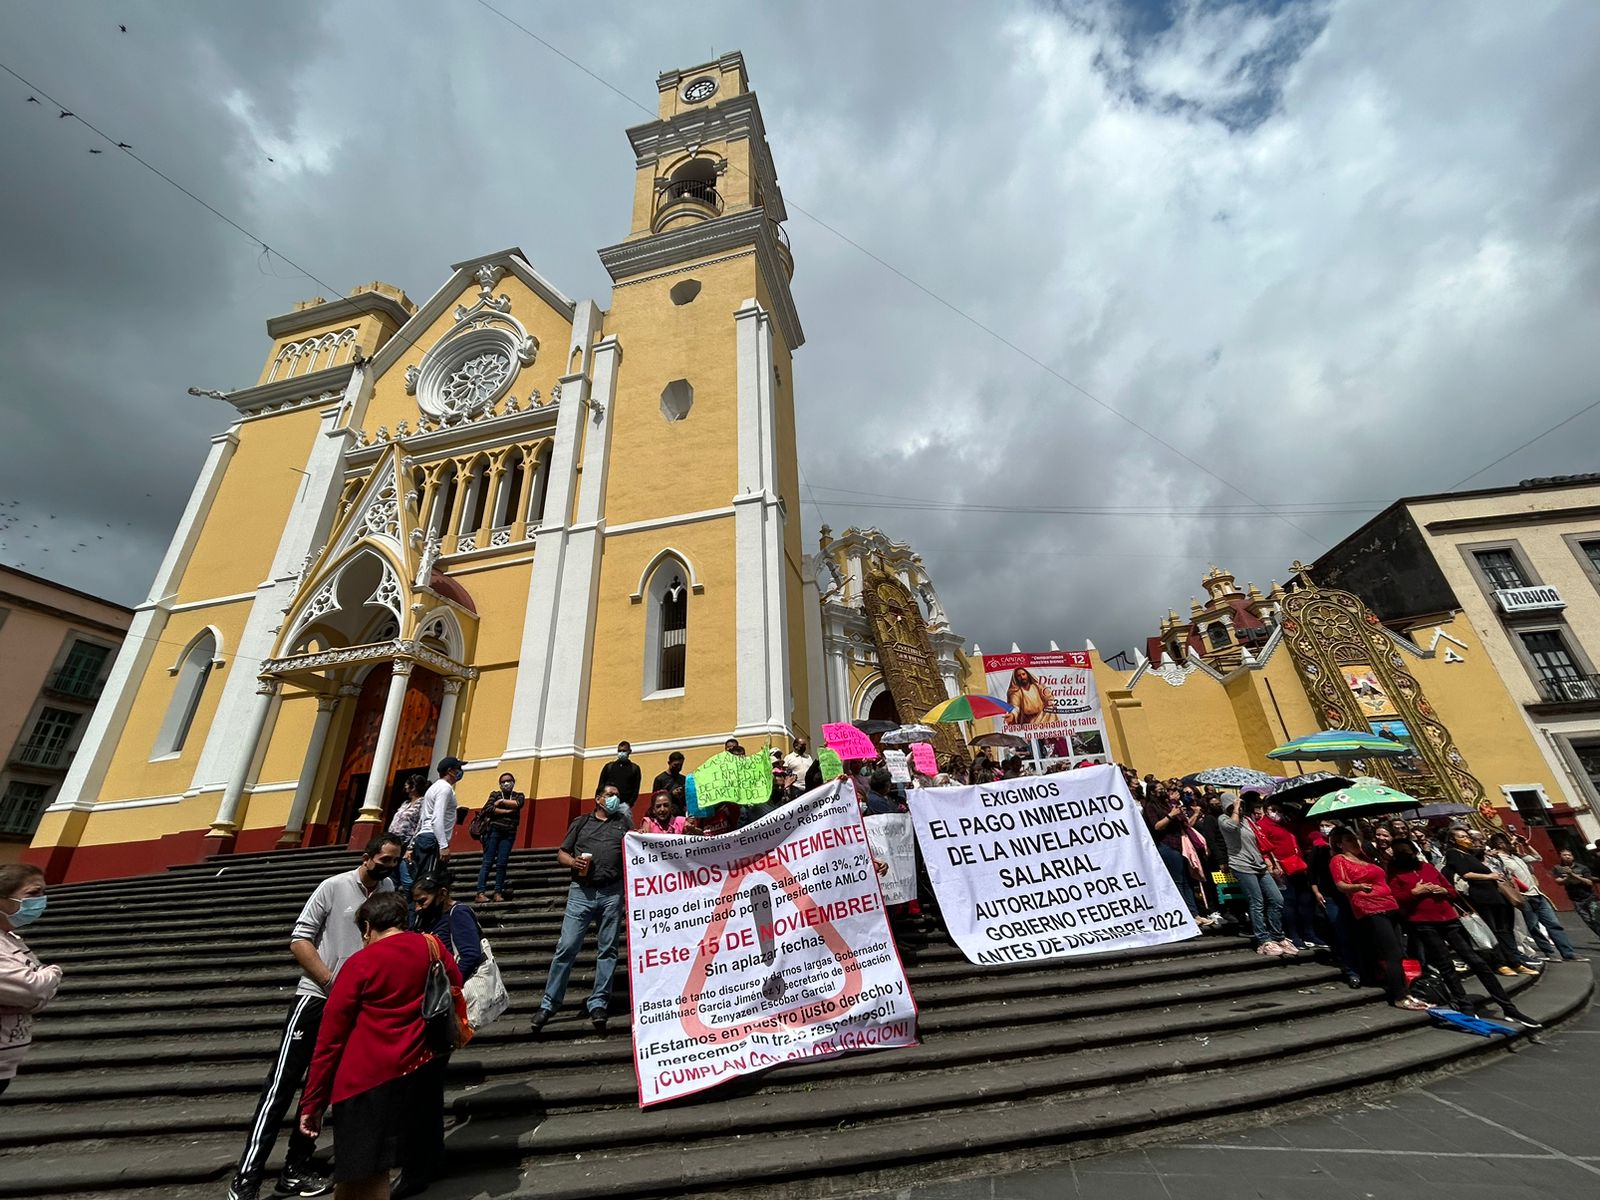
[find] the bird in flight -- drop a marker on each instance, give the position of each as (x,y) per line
(124,28)
(65,113)
(124,146)
(33,100)
(94,151)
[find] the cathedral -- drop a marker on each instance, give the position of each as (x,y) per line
(503,524)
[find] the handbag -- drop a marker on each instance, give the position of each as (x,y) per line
(1512,895)
(443,1007)
(480,824)
(485,993)
(1478,930)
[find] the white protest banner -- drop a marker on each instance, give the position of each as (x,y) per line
(759,947)
(1054,700)
(1047,867)
(895,760)
(894,845)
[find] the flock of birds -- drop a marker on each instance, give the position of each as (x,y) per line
(11,519)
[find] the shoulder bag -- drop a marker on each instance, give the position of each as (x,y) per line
(479,828)
(443,1007)
(485,993)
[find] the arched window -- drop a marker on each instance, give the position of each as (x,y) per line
(667,630)
(505,504)
(1217,634)
(193,672)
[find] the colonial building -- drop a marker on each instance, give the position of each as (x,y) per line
(1521,567)
(503,523)
(56,647)
(885,649)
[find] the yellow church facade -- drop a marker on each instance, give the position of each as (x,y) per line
(502,524)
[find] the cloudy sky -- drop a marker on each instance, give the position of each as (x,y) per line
(1096,293)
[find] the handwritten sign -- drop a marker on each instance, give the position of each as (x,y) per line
(922,758)
(830,763)
(732,779)
(849,741)
(761,947)
(895,760)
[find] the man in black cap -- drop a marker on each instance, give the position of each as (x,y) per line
(430,851)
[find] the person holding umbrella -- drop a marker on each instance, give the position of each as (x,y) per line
(1249,867)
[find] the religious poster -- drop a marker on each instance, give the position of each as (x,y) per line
(1368,690)
(1047,867)
(1054,701)
(759,947)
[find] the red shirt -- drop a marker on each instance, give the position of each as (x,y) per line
(1364,904)
(1281,844)
(372,1029)
(1427,907)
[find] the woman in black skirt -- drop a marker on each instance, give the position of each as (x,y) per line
(372,1059)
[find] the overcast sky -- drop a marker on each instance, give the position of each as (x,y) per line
(1330,253)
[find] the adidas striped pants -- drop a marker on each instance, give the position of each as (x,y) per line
(284,1080)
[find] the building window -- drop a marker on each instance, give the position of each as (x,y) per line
(80,674)
(47,744)
(1560,676)
(1217,635)
(21,806)
(193,673)
(667,630)
(1530,805)
(1501,568)
(1591,551)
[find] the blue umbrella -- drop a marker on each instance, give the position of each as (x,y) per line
(1329,745)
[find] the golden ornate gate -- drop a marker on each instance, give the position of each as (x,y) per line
(905,653)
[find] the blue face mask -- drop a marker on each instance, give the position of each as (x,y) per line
(32,909)
(613,804)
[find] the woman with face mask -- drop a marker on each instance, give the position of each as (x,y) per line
(1464,861)
(26,986)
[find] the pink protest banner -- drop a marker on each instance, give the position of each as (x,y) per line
(848,741)
(922,758)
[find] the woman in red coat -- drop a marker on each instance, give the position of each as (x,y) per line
(372,1061)
(1282,850)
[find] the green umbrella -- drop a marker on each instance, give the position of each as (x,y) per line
(1329,745)
(1365,795)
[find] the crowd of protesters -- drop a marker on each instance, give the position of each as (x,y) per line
(1374,894)
(1405,905)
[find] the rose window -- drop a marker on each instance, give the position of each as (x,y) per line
(476,382)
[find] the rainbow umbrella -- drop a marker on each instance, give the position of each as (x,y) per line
(1331,744)
(966,708)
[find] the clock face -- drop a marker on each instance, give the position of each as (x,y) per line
(700,89)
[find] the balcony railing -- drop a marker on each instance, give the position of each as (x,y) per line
(42,754)
(689,199)
(1573,689)
(70,683)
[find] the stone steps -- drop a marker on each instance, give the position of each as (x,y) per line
(147,1067)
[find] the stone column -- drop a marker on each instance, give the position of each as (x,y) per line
(294,827)
(447,720)
(383,754)
(227,820)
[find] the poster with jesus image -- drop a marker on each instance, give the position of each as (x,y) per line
(758,947)
(1047,867)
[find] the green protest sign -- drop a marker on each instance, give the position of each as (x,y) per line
(829,761)
(733,779)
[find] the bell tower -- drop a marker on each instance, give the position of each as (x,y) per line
(690,458)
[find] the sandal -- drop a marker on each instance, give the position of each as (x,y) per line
(1412,1004)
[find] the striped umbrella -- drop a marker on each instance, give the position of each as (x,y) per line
(1331,744)
(966,708)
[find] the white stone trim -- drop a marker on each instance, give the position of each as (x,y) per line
(705,514)
(214,602)
(661,556)
(104,731)
(236,725)
(79,805)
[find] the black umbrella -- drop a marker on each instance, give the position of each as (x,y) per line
(1303,788)
(871,727)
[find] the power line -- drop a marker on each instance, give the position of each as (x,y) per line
(1566,421)
(930,293)
(1308,507)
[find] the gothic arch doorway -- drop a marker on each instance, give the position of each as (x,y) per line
(419,723)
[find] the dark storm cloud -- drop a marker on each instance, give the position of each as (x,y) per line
(1333,252)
